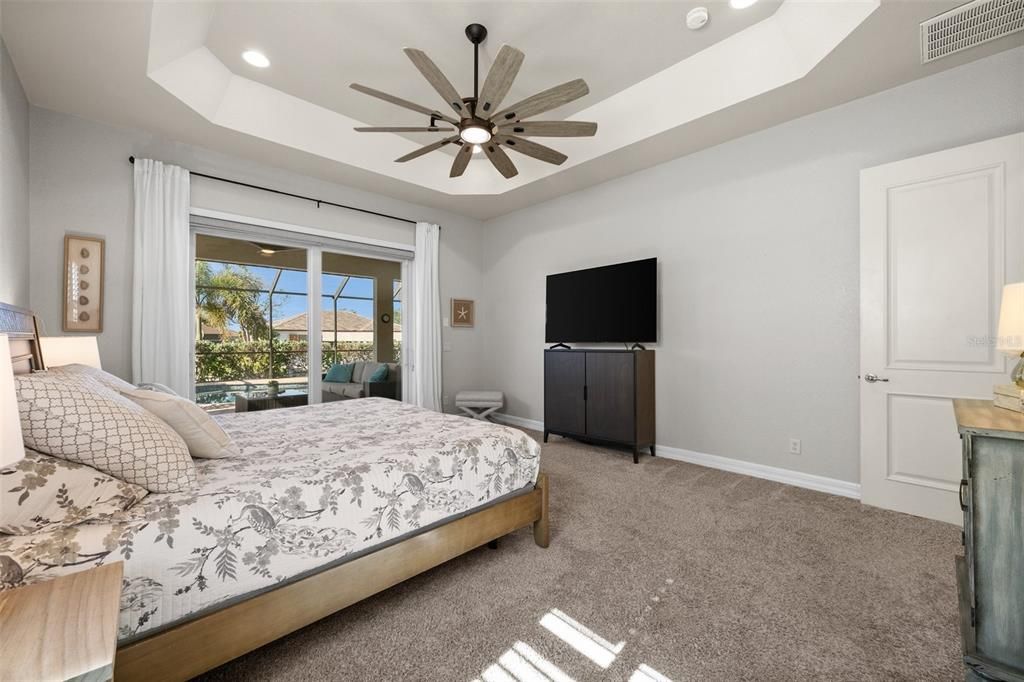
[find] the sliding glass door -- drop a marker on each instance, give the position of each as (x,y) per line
(252,317)
(248,296)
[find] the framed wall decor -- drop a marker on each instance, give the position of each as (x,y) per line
(462,312)
(83,284)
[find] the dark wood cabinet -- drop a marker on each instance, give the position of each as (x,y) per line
(565,379)
(604,396)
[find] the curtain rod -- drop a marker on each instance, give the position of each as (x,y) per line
(318,202)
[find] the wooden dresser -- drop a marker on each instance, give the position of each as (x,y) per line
(990,575)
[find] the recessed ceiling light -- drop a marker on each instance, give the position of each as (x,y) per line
(741,4)
(697,18)
(256,58)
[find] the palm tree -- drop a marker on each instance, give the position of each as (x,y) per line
(211,309)
(231,294)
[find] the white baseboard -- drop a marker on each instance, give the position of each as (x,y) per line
(799,479)
(521,422)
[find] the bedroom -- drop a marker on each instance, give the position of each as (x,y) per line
(766,539)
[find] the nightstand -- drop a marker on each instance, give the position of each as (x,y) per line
(62,629)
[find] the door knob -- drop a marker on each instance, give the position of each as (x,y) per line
(872,378)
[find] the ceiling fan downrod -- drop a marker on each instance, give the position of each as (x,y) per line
(477,33)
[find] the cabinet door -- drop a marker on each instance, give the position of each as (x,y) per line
(564,376)
(610,394)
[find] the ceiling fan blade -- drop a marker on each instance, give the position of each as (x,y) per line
(550,129)
(429,148)
(537,151)
(412,106)
(437,80)
(500,159)
(543,101)
(461,161)
(403,129)
(499,79)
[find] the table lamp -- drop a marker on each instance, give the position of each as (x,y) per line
(12,447)
(70,350)
(1011,328)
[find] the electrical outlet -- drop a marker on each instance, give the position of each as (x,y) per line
(794,446)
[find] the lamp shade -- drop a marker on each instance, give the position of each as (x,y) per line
(1011,320)
(12,447)
(70,350)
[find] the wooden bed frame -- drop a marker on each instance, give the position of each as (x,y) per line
(199,645)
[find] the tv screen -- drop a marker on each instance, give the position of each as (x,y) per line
(614,303)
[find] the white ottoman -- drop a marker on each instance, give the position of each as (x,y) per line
(479,404)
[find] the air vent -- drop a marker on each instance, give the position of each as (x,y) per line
(969,25)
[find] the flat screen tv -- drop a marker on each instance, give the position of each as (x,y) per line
(614,303)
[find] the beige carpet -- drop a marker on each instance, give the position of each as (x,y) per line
(701,574)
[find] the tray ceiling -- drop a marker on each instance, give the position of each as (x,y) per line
(658,90)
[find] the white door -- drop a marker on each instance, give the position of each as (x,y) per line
(940,235)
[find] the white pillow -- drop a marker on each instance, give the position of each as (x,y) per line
(204,437)
(153,386)
(75,417)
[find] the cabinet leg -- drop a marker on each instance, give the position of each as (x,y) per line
(493,544)
(652,449)
(636,454)
(545,436)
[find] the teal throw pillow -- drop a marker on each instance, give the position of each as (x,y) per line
(380,375)
(341,374)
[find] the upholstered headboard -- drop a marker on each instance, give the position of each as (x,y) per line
(22,331)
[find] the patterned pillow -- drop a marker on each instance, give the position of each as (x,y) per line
(105,378)
(41,491)
(76,418)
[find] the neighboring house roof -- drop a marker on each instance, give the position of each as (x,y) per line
(347,321)
(209,330)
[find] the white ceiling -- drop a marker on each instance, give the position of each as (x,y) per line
(101,60)
(317,53)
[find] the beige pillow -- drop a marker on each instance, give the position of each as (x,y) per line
(74,417)
(41,492)
(204,437)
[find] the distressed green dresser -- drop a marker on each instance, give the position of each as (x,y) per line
(990,575)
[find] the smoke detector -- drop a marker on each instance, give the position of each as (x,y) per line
(698,17)
(969,25)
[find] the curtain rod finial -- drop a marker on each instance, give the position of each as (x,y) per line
(131,159)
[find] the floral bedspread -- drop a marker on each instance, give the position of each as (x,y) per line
(312,485)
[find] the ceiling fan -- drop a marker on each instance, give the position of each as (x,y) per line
(480,123)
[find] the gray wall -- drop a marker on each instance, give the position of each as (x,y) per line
(14,136)
(81,182)
(758,247)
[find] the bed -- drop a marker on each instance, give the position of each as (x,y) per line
(327,505)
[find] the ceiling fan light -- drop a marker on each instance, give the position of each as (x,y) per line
(475,134)
(741,4)
(477,149)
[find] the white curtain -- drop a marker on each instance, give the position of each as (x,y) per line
(161,310)
(421,331)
